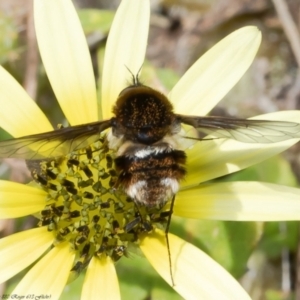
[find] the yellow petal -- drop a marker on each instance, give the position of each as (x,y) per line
(125,48)
(19,250)
(19,114)
(212,159)
(101,280)
(17,200)
(216,72)
(196,275)
(49,275)
(66,58)
(239,201)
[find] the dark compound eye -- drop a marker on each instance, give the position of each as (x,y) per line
(144,136)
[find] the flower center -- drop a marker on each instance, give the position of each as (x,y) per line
(84,208)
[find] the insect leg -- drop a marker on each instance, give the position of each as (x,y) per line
(167,238)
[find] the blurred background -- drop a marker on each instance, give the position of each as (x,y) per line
(265,257)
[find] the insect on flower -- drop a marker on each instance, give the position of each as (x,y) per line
(146,135)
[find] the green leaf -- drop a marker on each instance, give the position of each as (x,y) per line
(138,280)
(73,290)
(229,243)
(277,236)
(168,77)
(8,39)
(96,20)
(273,170)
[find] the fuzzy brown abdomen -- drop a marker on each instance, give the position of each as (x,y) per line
(150,176)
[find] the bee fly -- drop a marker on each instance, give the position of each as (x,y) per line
(144,132)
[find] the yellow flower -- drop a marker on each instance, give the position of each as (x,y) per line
(66,59)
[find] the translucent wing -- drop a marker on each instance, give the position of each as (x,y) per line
(53,143)
(243,130)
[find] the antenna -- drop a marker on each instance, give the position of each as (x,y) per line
(135,78)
